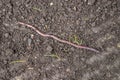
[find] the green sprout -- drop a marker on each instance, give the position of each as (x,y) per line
(76,40)
(18,61)
(37,9)
(53,56)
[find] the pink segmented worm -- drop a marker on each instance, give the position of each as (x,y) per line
(56,38)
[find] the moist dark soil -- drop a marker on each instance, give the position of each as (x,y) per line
(26,55)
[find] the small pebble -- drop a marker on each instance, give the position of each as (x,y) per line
(93,24)
(6,35)
(18,78)
(4,10)
(49,48)
(91,2)
(6,24)
(85,0)
(96,29)
(29,42)
(68,70)
(32,36)
(9,51)
(42,20)
(118,45)
(74,8)
(51,3)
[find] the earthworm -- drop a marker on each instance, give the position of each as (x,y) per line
(58,39)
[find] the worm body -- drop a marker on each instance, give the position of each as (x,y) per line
(58,39)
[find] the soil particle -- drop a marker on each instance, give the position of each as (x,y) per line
(96,23)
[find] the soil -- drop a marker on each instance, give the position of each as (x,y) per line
(25,55)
